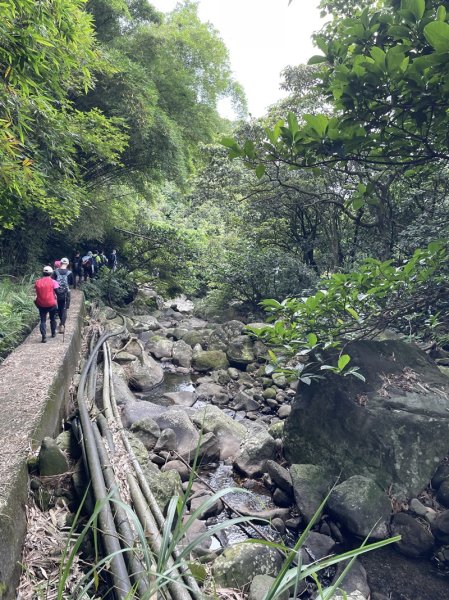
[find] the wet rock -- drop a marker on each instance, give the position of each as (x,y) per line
(243,401)
(229,433)
(310,485)
(164,486)
(148,432)
(359,503)
(316,546)
(160,347)
(240,351)
(239,564)
(416,540)
(52,460)
(144,374)
(255,450)
(181,398)
(221,377)
(209,360)
(234,373)
(293,524)
(440,475)
(186,434)
(280,476)
(280,498)
(261,585)
(124,357)
(136,411)
(276,430)
(211,392)
(279,525)
(284,411)
(176,465)
(443,493)
(269,392)
(166,440)
(355,583)
(207,510)
(440,527)
(182,354)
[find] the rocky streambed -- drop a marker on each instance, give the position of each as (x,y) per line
(193,390)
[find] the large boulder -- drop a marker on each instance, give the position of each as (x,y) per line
(230,433)
(160,347)
(239,564)
(137,411)
(223,335)
(361,506)
(144,374)
(393,428)
(256,449)
(186,434)
(182,354)
(310,483)
(240,350)
(209,360)
(211,392)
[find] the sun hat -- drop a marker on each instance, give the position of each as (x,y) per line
(64,261)
(48,270)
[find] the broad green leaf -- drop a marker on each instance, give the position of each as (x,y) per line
(312,339)
(352,312)
(229,142)
(317,122)
(260,171)
(416,7)
(317,59)
(379,56)
(292,122)
(437,34)
(441,13)
(343,361)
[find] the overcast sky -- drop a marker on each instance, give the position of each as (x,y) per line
(263,37)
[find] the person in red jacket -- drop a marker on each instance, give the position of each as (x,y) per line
(46,302)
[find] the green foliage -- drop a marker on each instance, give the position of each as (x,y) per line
(46,57)
(114,288)
(356,305)
(247,273)
(18,313)
(384,73)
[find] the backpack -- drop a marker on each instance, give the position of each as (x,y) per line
(62,279)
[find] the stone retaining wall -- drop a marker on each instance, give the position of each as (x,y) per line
(34,394)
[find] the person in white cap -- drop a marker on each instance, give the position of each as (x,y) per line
(46,302)
(64,278)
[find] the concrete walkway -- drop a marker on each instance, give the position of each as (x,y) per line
(34,391)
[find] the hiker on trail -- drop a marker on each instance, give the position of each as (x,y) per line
(64,278)
(96,262)
(87,263)
(104,258)
(46,302)
(112,261)
(57,264)
(77,269)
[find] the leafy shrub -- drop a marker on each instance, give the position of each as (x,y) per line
(17,313)
(250,274)
(409,298)
(114,288)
